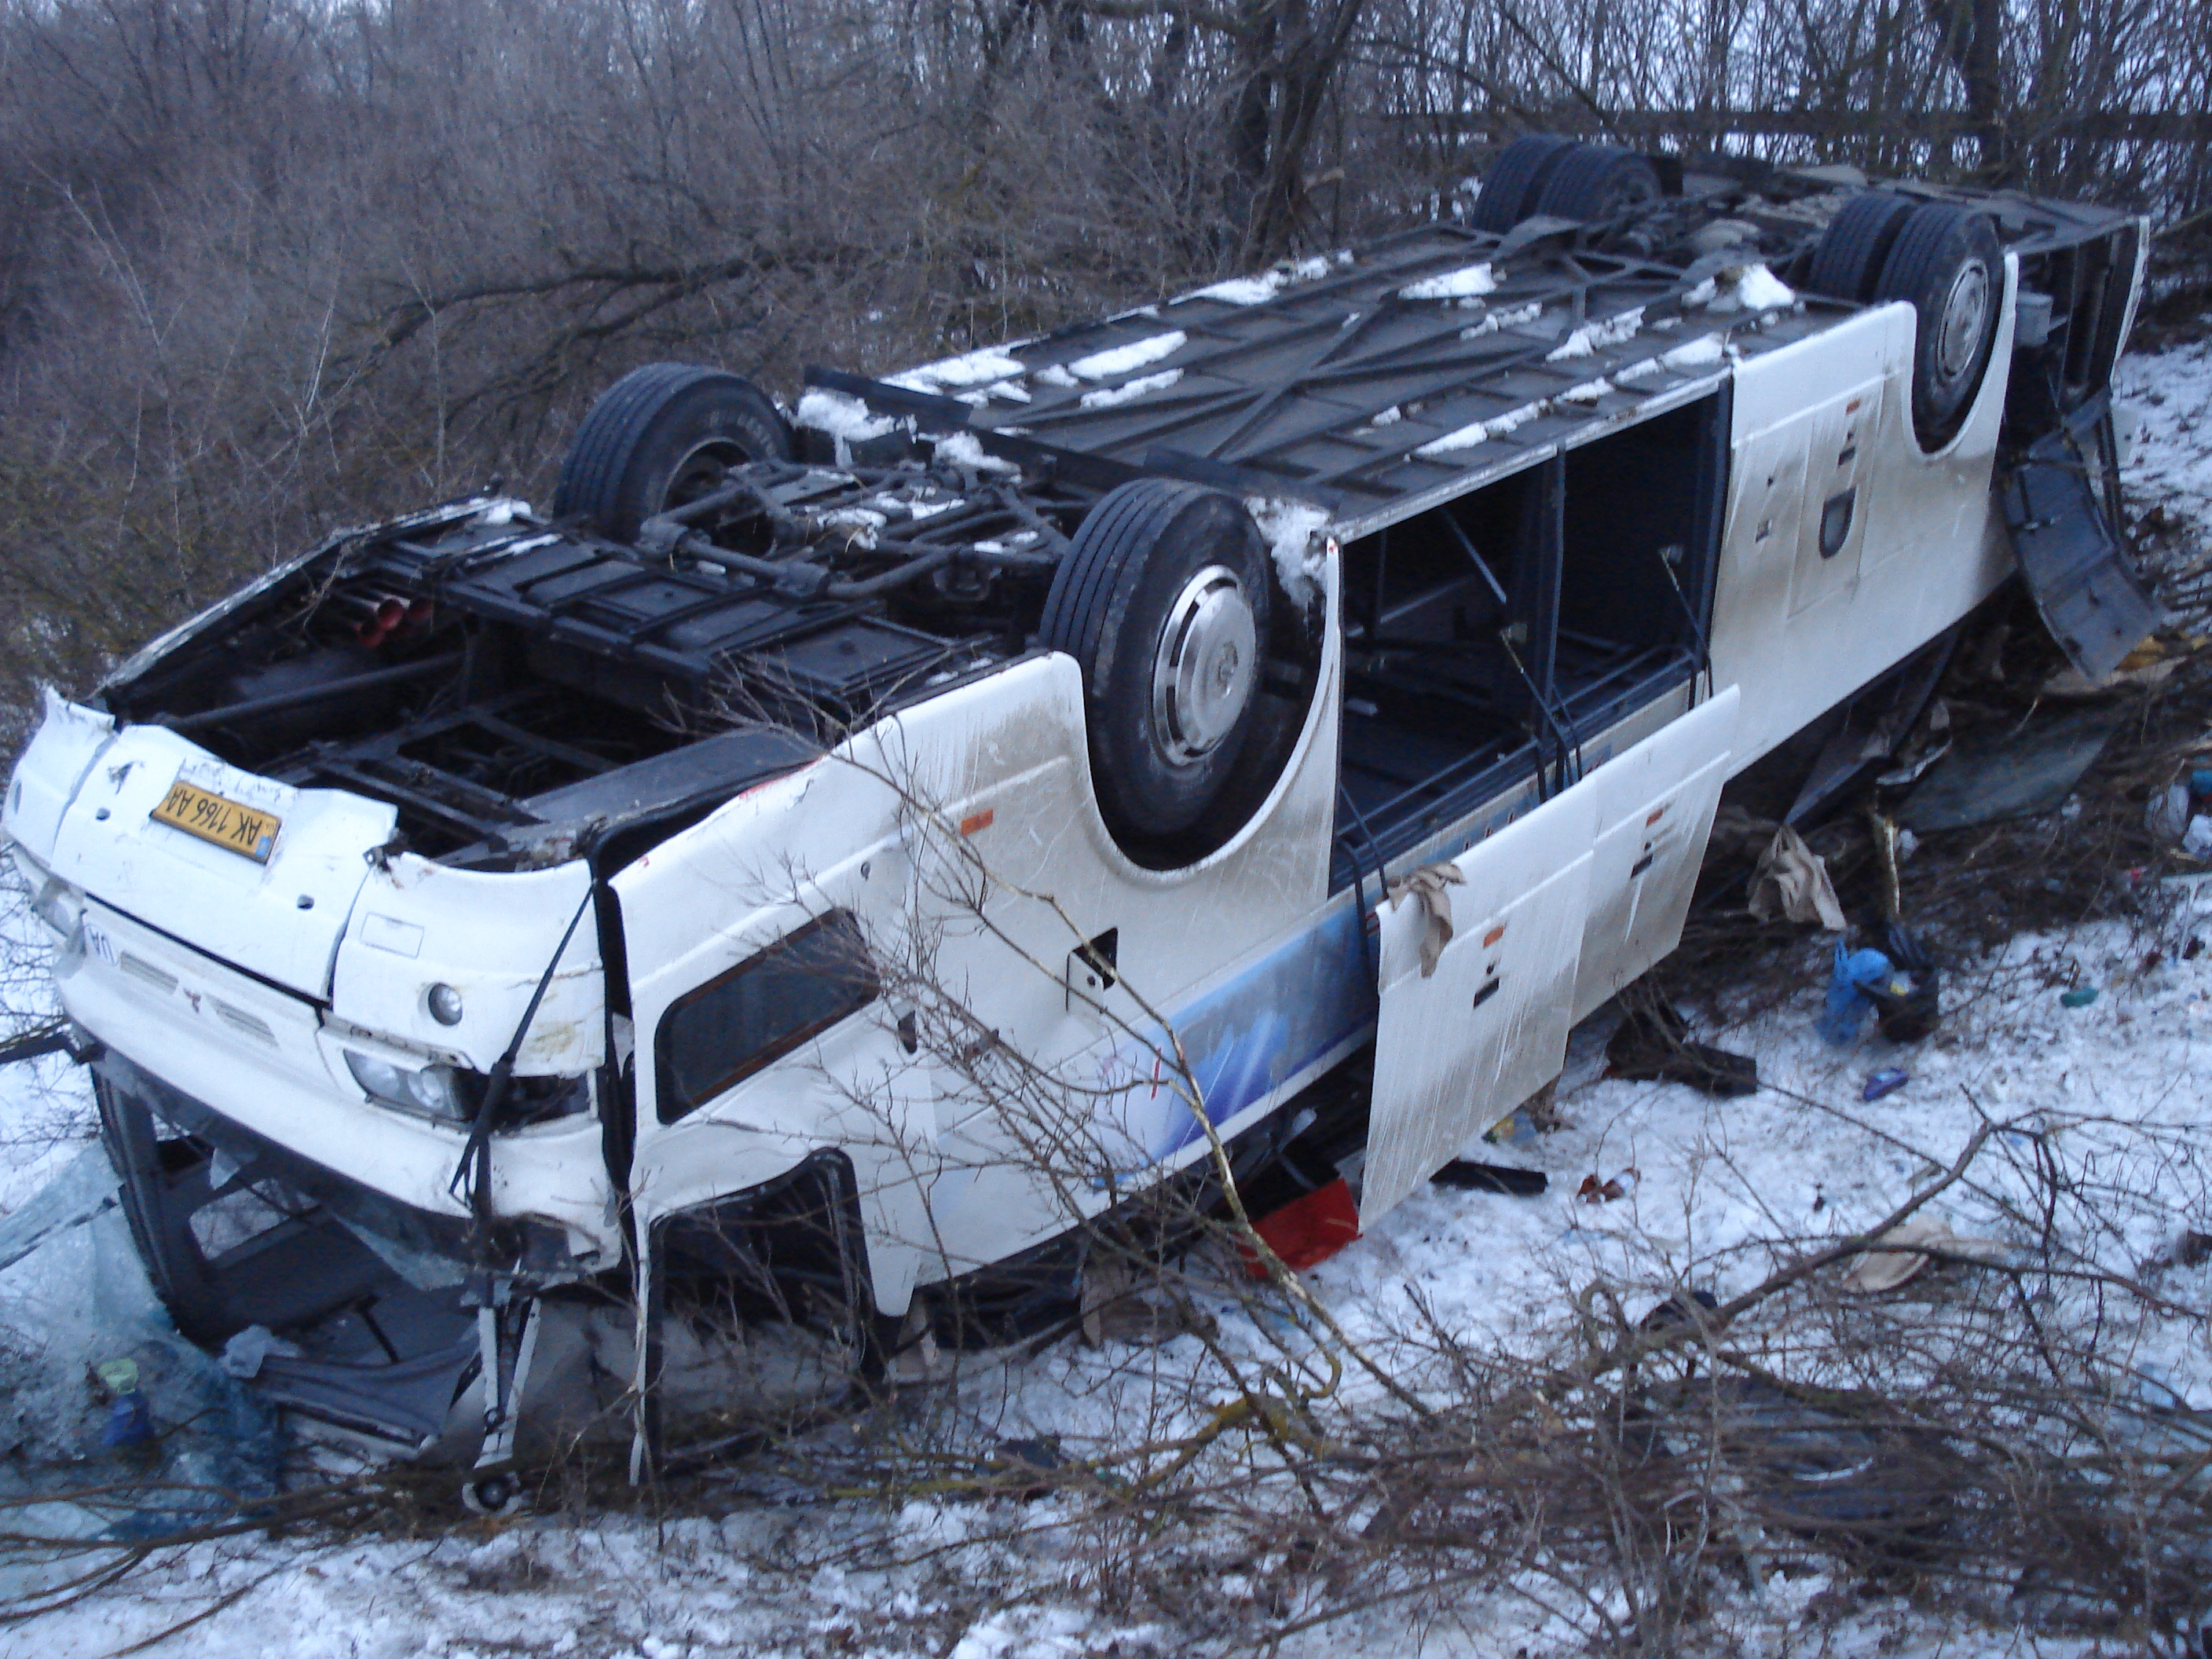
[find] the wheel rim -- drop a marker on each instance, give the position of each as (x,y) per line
(1203,671)
(1965,317)
(1632,189)
(701,472)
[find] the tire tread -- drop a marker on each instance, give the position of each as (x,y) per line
(1852,253)
(1110,574)
(1577,185)
(599,456)
(1923,251)
(1510,189)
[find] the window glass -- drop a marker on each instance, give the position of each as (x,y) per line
(762,1009)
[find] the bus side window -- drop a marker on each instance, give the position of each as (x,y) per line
(715,1036)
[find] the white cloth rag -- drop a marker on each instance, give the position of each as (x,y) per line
(1792,881)
(1432,886)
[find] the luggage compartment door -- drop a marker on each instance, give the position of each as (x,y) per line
(1457,1047)
(1654,808)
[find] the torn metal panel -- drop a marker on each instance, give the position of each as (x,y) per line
(2094,606)
(1993,777)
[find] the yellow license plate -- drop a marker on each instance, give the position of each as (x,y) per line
(234,828)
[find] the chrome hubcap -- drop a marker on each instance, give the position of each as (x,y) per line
(1966,314)
(1203,671)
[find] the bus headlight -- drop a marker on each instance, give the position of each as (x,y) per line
(431,1089)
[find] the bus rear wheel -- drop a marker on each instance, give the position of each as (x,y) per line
(1948,262)
(1849,260)
(1596,181)
(1515,180)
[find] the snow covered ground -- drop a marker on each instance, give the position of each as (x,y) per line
(2170,393)
(1715,1191)
(1721,1186)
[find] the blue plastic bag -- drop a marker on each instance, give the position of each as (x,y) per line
(1856,972)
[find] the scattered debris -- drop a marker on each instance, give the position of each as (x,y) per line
(1792,881)
(121,1429)
(1928,744)
(2173,811)
(1685,1307)
(130,1420)
(1539,1114)
(1887,1081)
(1909,1014)
(1118,1304)
(1543,1109)
(1853,983)
(2080,997)
(1024,1465)
(2021,772)
(1651,1045)
(1307,1230)
(2147,665)
(2192,1249)
(242,1356)
(1897,720)
(1465,1175)
(1594,1191)
(1908,1248)
(1809,1470)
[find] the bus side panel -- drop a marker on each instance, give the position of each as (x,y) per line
(1799,632)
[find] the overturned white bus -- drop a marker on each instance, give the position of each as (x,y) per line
(495,905)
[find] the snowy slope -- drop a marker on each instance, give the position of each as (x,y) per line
(1720,1182)
(1719,1192)
(2169,395)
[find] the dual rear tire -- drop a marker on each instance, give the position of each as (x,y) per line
(659,437)
(1943,259)
(1946,262)
(1544,173)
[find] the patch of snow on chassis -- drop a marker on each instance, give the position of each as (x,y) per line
(1479,432)
(971,368)
(1258,290)
(1693,354)
(1290,528)
(964,449)
(846,421)
(1465,283)
(1607,330)
(1244,290)
(1125,359)
(1753,288)
(1129,391)
(1511,317)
